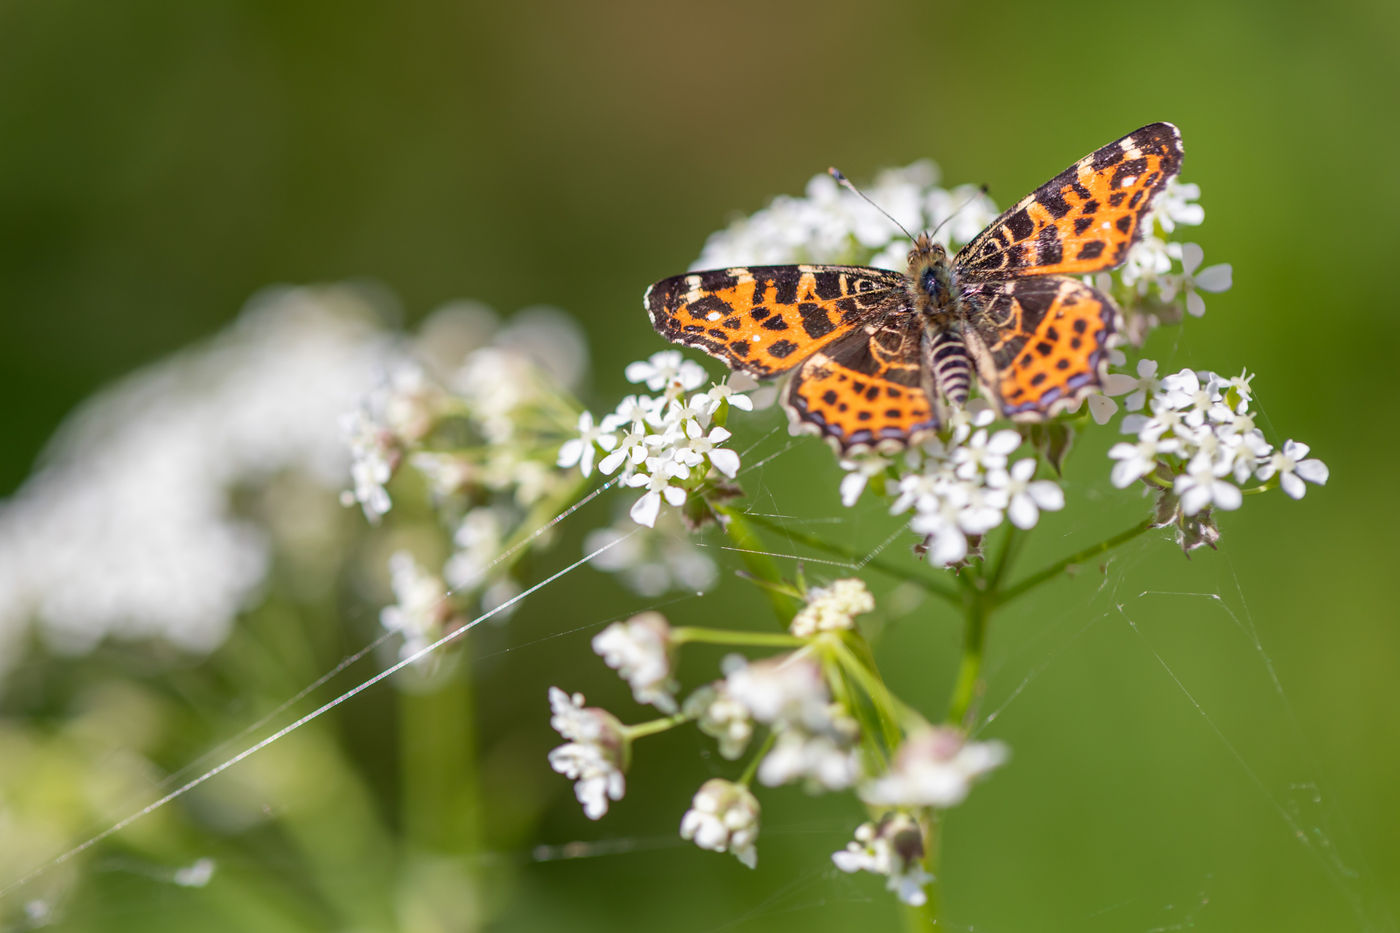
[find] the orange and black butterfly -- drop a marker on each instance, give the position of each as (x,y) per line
(877,354)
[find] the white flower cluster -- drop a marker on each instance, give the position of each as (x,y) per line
(421,609)
(814,738)
(935,767)
(1198,440)
(498,388)
(961,485)
(723,817)
(595,755)
(830,225)
(832,608)
(131,527)
(651,561)
(894,848)
(667,443)
(640,651)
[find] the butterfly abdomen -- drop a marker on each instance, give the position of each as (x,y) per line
(951,365)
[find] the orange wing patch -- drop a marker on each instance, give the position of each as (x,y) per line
(1085,218)
(767,319)
(1040,343)
(866,392)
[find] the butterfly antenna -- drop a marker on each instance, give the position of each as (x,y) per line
(845,182)
(981,190)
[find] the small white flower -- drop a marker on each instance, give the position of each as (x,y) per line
(859,469)
(712,398)
(938,522)
(935,767)
(1292,469)
(580,450)
(1200,487)
(421,608)
(832,608)
(783,690)
(1214,279)
(640,651)
(723,817)
(707,446)
(595,754)
(666,370)
(375,453)
(824,760)
(894,848)
(654,561)
(447,473)
(658,485)
(479,540)
(1026,497)
(1175,206)
(977,413)
(197,874)
(719,714)
(1148,260)
(1138,390)
(981,452)
(1137,460)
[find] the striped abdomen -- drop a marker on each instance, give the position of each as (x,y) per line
(952,366)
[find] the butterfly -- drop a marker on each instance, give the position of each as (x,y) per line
(877,356)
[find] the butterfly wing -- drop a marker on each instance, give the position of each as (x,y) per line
(1039,342)
(766,319)
(1085,218)
(869,386)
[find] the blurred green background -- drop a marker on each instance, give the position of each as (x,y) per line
(162,162)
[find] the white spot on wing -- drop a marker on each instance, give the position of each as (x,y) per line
(712,316)
(1127,180)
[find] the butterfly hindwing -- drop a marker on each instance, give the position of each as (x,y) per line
(1039,342)
(1085,218)
(867,387)
(765,320)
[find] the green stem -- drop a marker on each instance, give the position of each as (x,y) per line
(976,610)
(859,560)
(710,636)
(644,729)
(884,702)
(758,562)
(1079,557)
(752,767)
(1010,547)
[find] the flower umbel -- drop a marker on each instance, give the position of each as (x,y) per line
(595,756)
(723,817)
(895,848)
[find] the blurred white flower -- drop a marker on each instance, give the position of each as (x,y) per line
(595,755)
(934,768)
(723,817)
(640,651)
(421,608)
(128,530)
(894,848)
(1213,279)
(832,608)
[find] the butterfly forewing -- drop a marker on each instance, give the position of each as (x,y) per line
(765,320)
(1085,218)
